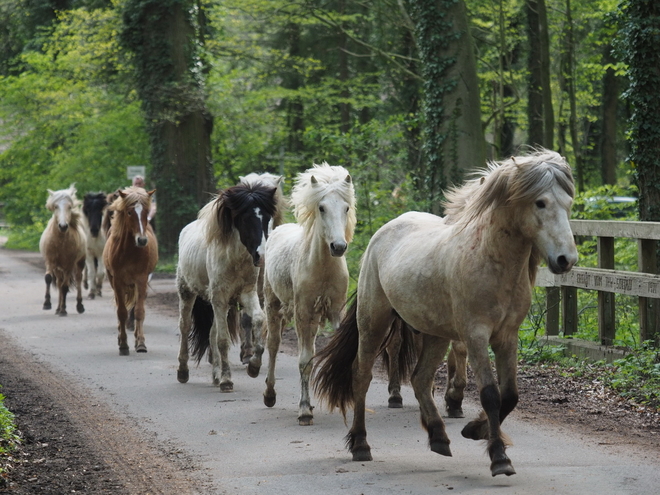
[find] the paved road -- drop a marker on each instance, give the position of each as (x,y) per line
(245,448)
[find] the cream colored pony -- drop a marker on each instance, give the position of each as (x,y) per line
(63,247)
(306,276)
(466,277)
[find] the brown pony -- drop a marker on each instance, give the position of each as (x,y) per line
(63,247)
(130,255)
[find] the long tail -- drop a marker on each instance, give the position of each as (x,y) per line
(202,321)
(332,374)
(200,331)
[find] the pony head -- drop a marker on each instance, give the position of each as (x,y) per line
(131,209)
(245,210)
(529,195)
(94,205)
(64,205)
(324,201)
(268,179)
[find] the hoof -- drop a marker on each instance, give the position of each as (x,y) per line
(62,313)
(362,455)
(140,348)
(123,351)
(182,376)
(47,305)
(270,401)
(502,467)
(441,448)
(455,413)
(246,359)
(252,370)
(306,420)
(226,387)
(91,295)
(395,402)
(80,308)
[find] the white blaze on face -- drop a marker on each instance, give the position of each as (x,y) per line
(62,206)
(262,246)
(138,212)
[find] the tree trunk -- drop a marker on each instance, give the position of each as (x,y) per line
(569,77)
(610,110)
(292,80)
(163,39)
(535,121)
(454,138)
(544,46)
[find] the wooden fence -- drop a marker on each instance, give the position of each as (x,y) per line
(562,289)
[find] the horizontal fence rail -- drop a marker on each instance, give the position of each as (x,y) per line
(561,290)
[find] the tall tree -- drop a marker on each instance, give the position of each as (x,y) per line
(454,138)
(639,46)
(163,36)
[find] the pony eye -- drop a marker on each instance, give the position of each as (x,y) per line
(322,209)
(540,203)
(347,208)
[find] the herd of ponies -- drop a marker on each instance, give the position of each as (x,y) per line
(427,284)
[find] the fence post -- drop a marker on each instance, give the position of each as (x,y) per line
(648,308)
(606,312)
(552,300)
(569,309)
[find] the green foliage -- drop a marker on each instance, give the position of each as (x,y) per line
(70,117)
(9,438)
(637,376)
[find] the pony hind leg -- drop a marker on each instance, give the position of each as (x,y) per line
(456,379)
(246,345)
(61,301)
(219,340)
(390,356)
(433,352)
(186,301)
(138,313)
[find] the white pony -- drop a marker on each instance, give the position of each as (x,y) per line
(62,246)
(219,258)
(306,277)
(466,277)
(94,207)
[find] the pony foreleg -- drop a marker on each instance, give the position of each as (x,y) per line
(139,314)
(49,280)
(456,379)
(275,325)
(487,425)
(89,275)
(250,303)
(433,352)
(122,314)
(61,300)
(306,328)
(219,346)
(80,267)
(100,275)
(246,345)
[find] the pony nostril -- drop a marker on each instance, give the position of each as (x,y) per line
(562,262)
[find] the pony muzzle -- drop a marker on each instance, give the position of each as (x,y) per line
(561,264)
(141,241)
(63,227)
(337,249)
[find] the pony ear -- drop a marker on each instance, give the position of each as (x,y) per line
(348,179)
(121,193)
(50,192)
(314,181)
(150,193)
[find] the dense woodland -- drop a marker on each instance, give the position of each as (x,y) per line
(409,95)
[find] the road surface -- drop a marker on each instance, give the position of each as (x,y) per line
(239,446)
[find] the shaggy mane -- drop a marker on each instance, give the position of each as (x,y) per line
(70,195)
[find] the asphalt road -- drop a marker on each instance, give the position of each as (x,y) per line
(243,447)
